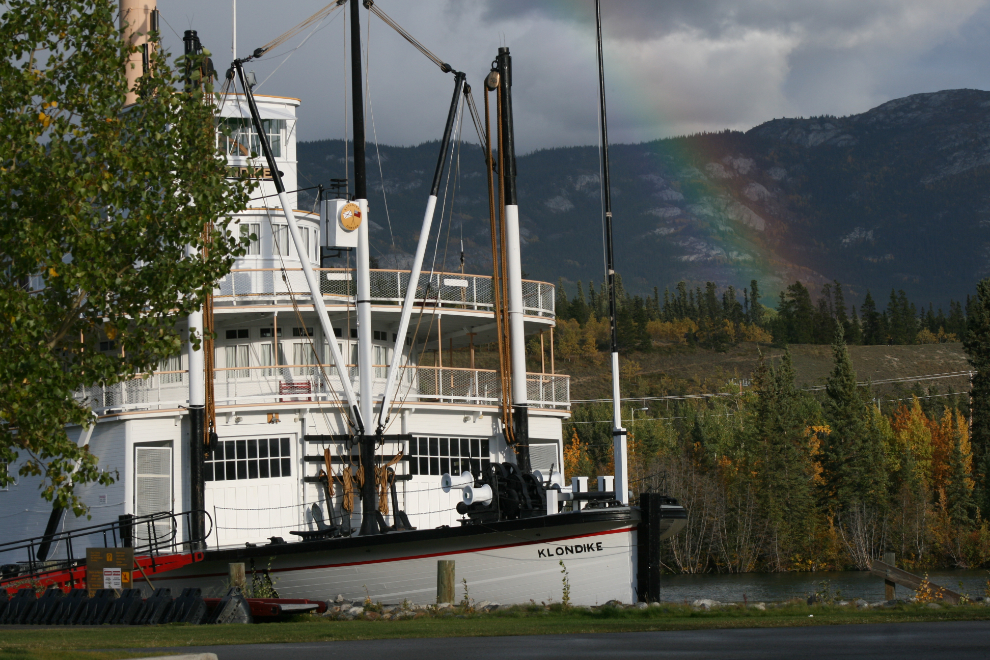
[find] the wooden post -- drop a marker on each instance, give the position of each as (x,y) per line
(891,573)
(275,343)
(237,575)
(552,370)
(445,581)
(889,586)
(543,354)
(471,336)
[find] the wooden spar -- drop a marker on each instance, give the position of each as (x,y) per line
(911,581)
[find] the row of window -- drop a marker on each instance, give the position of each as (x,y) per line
(263,458)
(266,333)
(281,241)
(437,456)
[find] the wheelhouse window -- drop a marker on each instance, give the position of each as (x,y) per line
(237,137)
(257,458)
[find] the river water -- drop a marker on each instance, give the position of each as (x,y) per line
(768,587)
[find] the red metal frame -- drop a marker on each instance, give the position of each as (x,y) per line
(75,578)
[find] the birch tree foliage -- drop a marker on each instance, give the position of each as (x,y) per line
(98,202)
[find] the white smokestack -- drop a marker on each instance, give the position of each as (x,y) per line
(135,21)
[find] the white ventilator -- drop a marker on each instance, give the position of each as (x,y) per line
(554,478)
(447,482)
(477,494)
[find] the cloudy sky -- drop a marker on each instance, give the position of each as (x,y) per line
(672,66)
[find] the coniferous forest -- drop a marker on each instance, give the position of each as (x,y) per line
(780,478)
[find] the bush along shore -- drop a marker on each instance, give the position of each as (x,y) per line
(342,609)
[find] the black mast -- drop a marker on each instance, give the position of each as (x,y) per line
(369,491)
(360,174)
(197,409)
(507,169)
(618,433)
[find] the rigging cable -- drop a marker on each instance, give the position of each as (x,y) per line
(292,52)
(318,17)
(504,281)
(373,8)
(474,116)
(374,130)
(496,284)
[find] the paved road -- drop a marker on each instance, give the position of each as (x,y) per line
(901,641)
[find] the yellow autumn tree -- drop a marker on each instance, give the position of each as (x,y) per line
(912,433)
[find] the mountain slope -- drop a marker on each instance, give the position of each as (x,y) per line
(893,197)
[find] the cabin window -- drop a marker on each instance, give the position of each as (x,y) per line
(266,357)
(255,458)
(241,140)
(240,333)
(238,356)
(437,456)
(380,359)
(280,244)
(170,370)
(304,236)
(302,332)
(303,354)
(380,335)
(107,346)
(328,356)
(268,333)
(254,244)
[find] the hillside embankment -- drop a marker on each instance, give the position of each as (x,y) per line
(894,371)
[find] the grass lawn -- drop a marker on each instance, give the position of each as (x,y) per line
(72,643)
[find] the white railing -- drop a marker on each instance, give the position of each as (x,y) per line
(307,382)
(388,287)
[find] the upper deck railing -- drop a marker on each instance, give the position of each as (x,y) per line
(388,287)
(306,382)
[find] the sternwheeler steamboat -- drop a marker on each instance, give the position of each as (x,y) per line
(322,440)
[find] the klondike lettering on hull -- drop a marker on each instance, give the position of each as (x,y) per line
(577,549)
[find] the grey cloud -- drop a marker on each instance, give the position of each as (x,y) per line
(650,19)
(673,66)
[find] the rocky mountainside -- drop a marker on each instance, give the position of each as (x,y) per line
(891,198)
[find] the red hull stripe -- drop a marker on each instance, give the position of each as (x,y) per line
(410,557)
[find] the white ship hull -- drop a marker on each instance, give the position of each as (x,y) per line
(507,562)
